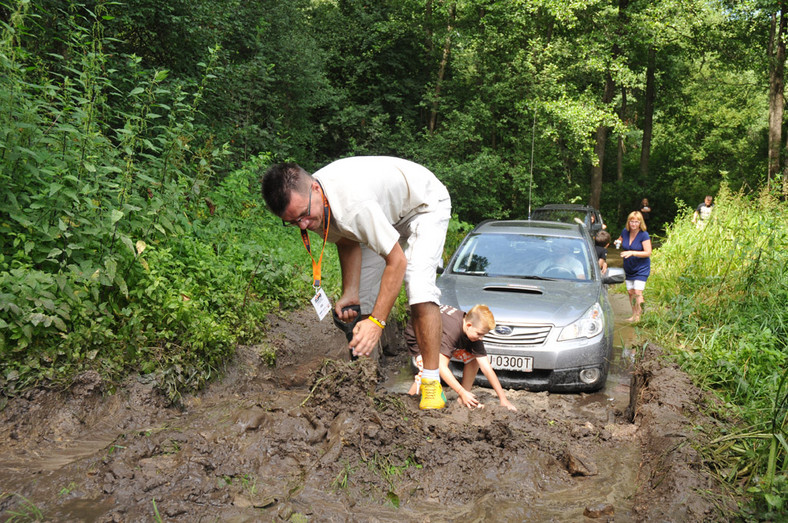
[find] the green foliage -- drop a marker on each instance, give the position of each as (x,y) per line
(456,232)
(121,251)
(723,307)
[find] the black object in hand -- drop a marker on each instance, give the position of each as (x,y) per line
(347,327)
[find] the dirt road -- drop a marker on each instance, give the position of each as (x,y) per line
(319,438)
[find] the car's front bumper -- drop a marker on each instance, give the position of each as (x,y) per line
(563,380)
(556,365)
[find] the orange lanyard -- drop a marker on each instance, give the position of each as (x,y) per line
(317,264)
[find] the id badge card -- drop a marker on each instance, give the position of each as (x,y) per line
(321,304)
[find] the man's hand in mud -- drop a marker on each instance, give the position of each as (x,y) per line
(365,336)
(467,399)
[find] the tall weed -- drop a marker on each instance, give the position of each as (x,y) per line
(722,305)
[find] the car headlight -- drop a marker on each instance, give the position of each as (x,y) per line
(588,326)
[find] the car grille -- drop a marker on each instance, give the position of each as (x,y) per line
(521,335)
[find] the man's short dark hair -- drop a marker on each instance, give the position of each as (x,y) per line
(602,238)
(278,182)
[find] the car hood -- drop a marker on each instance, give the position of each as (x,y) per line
(517,300)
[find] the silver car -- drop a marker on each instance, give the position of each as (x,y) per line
(554,323)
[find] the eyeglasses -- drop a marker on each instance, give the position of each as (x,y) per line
(297,221)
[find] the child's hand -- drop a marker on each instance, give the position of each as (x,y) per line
(414,389)
(506,403)
(467,399)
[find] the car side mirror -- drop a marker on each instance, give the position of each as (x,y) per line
(614,275)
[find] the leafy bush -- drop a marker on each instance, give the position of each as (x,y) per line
(121,251)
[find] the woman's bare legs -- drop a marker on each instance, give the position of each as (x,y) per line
(635,300)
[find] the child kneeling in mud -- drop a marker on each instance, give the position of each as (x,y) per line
(462,339)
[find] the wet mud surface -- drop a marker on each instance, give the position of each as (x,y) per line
(321,438)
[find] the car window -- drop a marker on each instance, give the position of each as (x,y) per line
(561,215)
(521,255)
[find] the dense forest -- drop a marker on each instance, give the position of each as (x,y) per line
(591,102)
(133,134)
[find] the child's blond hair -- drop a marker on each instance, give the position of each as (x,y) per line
(481,316)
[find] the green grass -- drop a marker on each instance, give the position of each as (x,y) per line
(719,303)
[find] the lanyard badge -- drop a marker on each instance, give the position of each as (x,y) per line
(320,301)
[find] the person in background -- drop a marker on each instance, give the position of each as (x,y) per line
(462,340)
(645,209)
(703,212)
(565,261)
(601,242)
(388,218)
(636,243)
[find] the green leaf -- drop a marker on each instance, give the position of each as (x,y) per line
(774,500)
(60,324)
(37,318)
(136,90)
(21,218)
(122,286)
(128,243)
(116,215)
(112,267)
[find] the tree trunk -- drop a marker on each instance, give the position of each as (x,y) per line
(599,148)
(621,146)
(442,69)
(623,115)
(648,112)
(776,52)
(623,20)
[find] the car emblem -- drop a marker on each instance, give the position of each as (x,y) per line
(503,330)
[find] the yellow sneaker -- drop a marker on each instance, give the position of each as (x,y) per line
(432,396)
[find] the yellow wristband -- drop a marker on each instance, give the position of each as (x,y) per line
(379,323)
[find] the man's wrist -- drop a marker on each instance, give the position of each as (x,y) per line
(379,323)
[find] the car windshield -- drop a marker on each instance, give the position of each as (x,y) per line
(524,256)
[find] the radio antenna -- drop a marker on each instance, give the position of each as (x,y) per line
(531,182)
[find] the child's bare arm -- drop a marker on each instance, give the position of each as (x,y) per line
(489,373)
(466,398)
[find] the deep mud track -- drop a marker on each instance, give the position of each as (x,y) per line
(318,438)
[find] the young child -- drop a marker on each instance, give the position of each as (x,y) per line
(462,339)
(602,240)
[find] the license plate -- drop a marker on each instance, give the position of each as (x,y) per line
(503,362)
